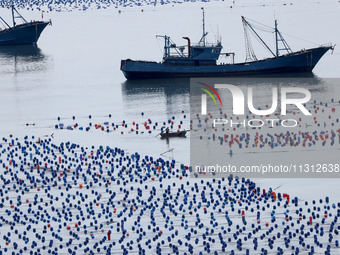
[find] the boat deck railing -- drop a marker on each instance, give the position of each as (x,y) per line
(140,61)
(2,30)
(207,45)
(327,45)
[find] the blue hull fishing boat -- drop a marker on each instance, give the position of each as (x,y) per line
(201,59)
(25,33)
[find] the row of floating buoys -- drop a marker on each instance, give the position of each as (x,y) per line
(322,129)
(147,126)
(84,5)
(290,139)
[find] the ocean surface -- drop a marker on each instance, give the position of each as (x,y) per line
(70,89)
(74,71)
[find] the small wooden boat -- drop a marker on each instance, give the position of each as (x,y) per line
(173,134)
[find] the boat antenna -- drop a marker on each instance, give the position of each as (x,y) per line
(202,40)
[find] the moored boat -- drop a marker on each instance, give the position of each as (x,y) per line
(21,34)
(200,60)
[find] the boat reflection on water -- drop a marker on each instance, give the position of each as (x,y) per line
(165,96)
(173,87)
(263,83)
(20,51)
(171,96)
(167,87)
(168,90)
(22,59)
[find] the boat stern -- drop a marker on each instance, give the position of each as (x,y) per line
(123,64)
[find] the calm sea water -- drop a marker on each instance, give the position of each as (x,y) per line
(74,70)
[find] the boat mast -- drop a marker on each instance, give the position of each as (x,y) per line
(12,6)
(203,26)
(16,17)
(168,45)
(202,40)
(276,40)
(279,37)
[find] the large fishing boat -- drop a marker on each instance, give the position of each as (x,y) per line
(21,34)
(200,60)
